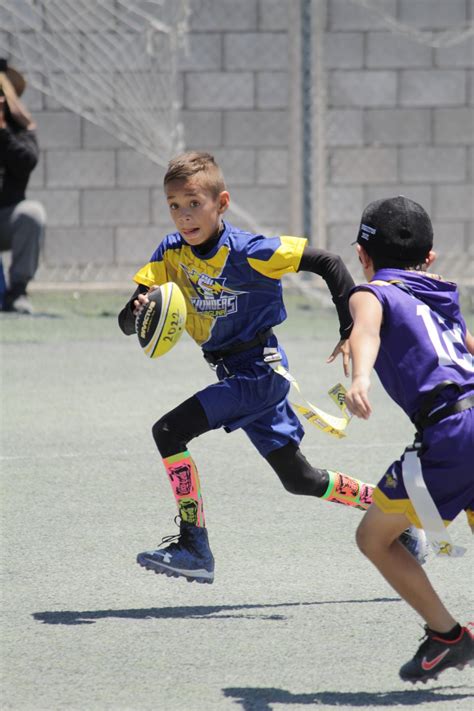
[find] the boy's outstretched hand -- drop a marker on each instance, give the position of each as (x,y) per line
(357,397)
(341,347)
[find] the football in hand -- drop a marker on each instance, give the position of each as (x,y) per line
(161,322)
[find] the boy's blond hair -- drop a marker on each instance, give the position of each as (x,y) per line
(196,163)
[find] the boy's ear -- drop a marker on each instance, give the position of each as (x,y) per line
(430,258)
(364,258)
(224,200)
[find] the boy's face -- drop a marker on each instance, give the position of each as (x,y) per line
(194,209)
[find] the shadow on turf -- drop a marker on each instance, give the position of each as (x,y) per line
(88,617)
(260,699)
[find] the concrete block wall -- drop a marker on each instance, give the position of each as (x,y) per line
(398,118)
(410,106)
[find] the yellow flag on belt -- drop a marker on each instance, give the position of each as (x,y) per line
(334,426)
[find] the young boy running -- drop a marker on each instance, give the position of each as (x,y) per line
(231,281)
(409,327)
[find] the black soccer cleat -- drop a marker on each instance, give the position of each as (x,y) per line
(437,654)
(188,556)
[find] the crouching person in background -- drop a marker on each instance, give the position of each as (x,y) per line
(22,221)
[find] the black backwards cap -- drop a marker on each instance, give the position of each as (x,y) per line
(396,229)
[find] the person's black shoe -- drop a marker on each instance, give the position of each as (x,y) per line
(437,654)
(16,299)
(20,305)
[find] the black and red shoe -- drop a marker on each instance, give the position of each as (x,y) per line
(437,654)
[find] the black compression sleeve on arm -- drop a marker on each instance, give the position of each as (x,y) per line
(126,318)
(339,282)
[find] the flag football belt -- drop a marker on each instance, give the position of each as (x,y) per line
(429,415)
(215,357)
(426,509)
(330,424)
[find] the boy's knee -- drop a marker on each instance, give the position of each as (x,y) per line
(173,431)
(372,540)
(367,542)
(292,486)
(296,473)
(361,539)
(305,485)
(168,436)
(161,432)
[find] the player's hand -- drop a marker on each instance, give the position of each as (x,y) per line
(357,397)
(139,303)
(142,300)
(342,347)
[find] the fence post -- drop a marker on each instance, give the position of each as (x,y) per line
(318,118)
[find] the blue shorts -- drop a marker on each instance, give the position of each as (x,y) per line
(252,397)
(446,463)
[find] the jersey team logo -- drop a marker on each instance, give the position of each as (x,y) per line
(212,297)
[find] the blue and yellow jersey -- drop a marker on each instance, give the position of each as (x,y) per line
(233,291)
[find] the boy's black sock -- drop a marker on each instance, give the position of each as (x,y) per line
(451,635)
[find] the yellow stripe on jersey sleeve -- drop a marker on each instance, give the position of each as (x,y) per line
(152,273)
(284,260)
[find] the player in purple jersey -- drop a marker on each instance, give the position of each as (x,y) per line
(408,327)
(231,281)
